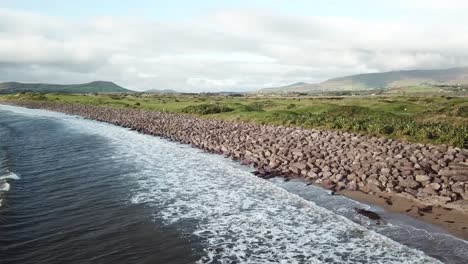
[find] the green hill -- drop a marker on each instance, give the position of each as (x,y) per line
(92,87)
(384,80)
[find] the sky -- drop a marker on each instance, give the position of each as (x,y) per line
(208,45)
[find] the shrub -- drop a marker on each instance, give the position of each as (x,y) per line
(263,104)
(206,109)
(347,110)
(387,129)
(115,97)
(290,106)
(461,110)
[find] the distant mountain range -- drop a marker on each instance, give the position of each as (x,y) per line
(165,91)
(384,80)
(359,82)
(92,87)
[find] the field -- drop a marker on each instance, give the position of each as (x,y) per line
(428,119)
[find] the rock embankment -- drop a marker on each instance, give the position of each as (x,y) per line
(434,174)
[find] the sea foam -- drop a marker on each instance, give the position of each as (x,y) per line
(241,218)
(10,175)
(4,186)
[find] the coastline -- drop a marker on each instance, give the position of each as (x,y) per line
(452,220)
(450,215)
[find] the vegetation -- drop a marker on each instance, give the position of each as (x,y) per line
(205,109)
(434,119)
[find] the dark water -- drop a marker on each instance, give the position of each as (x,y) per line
(86,192)
(70,204)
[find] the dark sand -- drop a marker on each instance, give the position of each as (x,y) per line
(453,219)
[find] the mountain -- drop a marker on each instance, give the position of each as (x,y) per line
(384,80)
(295,87)
(165,91)
(297,84)
(92,87)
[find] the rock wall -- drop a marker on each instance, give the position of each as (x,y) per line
(434,174)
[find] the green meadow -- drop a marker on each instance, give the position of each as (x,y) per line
(422,119)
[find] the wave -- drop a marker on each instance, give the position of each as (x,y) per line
(10,175)
(241,218)
(4,186)
(244,219)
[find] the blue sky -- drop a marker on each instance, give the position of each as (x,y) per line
(225,45)
(158,9)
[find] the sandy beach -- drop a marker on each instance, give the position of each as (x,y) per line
(453,219)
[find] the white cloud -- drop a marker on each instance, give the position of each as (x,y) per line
(226,50)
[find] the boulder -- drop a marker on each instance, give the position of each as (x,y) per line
(300,165)
(368,214)
(312,174)
(383,179)
(435,186)
(408,183)
(385,171)
(428,190)
(411,191)
(459,178)
(423,178)
(351,176)
(440,199)
(352,186)
(458,188)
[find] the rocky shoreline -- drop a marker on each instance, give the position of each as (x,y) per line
(336,160)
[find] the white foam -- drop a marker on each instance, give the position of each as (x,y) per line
(34,112)
(4,186)
(243,219)
(10,175)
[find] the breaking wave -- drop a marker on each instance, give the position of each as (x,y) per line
(241,218)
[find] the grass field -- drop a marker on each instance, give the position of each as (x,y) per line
(432,119)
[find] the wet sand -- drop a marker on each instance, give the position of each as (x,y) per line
(453,220)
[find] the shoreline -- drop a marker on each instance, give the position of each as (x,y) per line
(453,221)
(441,206)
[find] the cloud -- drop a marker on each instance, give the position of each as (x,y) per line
(225,50)
(458,5)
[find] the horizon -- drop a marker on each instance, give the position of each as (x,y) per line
(227,91)
(230,46)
